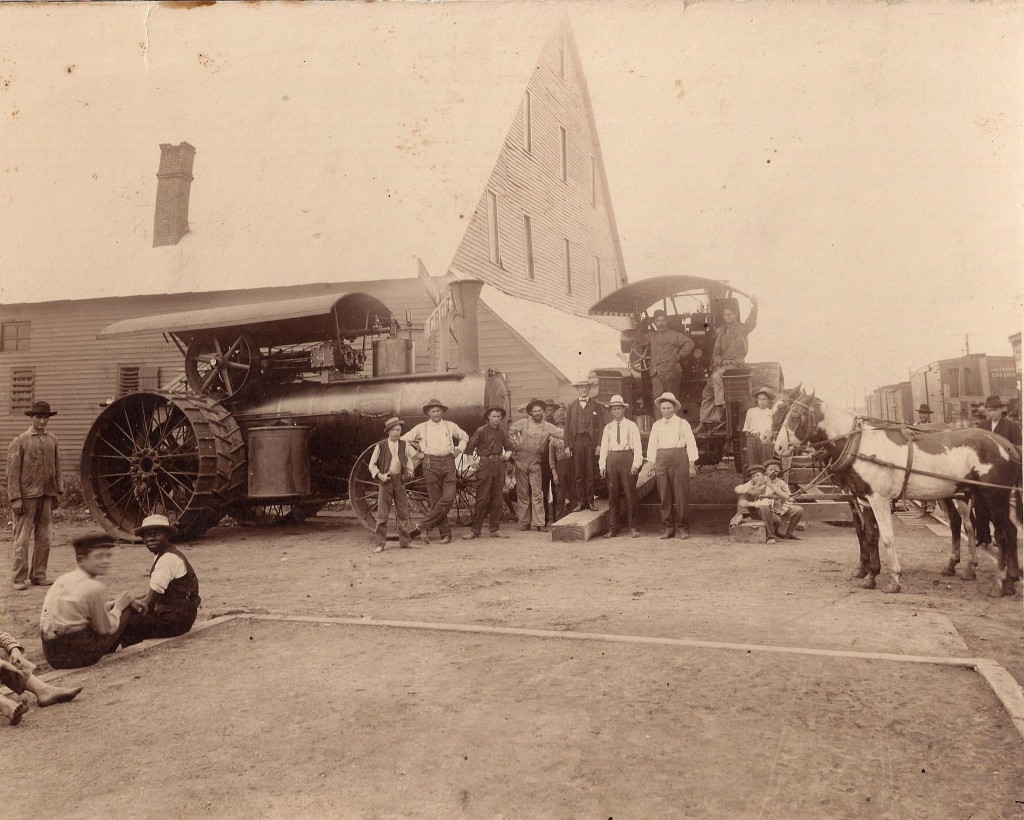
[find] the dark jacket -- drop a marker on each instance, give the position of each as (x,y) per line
(589,419)
(1007,429)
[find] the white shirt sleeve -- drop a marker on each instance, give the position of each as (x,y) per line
(638,452)
(168,567)
(691,442)
(602,460)
(652,442)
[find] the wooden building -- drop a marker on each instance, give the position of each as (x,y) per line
(346,158)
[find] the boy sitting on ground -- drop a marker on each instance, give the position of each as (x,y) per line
(16,673)
(755,500)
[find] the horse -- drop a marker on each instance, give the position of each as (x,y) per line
(880,463)
(958,511)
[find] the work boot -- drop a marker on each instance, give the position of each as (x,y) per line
(684,533)
(666,535)
(446,539)
(634,533)
(469,536)
(498,534)
(612,534)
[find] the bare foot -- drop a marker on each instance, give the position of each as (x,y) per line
(13,710)
(57,694)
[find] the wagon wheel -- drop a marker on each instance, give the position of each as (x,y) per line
(466,481)
(640,356)
(364,488)
(222,363)
(157,452)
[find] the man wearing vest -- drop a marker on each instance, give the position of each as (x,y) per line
(672,450)
(389,464)
(621,456)
(584,421)
(436,438)
(171,603)
(493,447)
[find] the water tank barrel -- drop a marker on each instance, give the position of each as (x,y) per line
(393,357)
(279,461)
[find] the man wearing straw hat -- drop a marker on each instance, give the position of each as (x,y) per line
(672,450)
(390,465)
(34,487)
(171,602)
(439,440)
(620,460)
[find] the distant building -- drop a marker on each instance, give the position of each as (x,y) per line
(891,402)
(949,386)
(481,175)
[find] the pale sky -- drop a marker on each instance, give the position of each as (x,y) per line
(856,165)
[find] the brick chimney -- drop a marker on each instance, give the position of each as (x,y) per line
(170,222)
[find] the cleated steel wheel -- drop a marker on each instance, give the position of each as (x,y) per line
(222,363)
(157,452)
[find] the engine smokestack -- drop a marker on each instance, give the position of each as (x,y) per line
(466,296)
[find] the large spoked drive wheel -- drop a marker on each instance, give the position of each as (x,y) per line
(221,364)
(640,356)
(155,452)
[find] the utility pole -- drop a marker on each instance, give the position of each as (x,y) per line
(967,341)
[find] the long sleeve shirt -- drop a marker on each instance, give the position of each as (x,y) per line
(33,466)
(556,453)
(396,464)
(77,601)
(488,441)
(668,349)
(669,433)
(533,438)
(621,435)
(758,421)
(731,344)
(437,438)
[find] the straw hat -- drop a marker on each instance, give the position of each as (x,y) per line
(668,397)
(155,522)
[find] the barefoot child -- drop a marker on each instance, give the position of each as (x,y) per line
(16,673)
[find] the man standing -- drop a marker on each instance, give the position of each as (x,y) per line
(171,603)
(672,450)
(730,350)
(493,447)
(995,422)
(390,465)
(561,470)
(547,479)
(530,440)
(584,421)
(621,456)
(79,624)
(668,350)
(924,414)
(34,487)
(436,438)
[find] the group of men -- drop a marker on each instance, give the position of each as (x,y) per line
(79,622)
(766,496)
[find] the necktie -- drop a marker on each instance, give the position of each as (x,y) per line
(618,424)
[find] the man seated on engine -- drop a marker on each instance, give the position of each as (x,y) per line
(730,350)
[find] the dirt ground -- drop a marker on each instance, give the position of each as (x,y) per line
(259,719)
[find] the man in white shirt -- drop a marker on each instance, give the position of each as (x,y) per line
(438,440)
(672,450)
(619,460)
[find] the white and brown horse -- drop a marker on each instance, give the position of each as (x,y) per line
(878,462)
(958,510)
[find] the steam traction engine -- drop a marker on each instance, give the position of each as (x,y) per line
(278,417)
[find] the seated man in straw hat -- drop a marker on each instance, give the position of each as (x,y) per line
(672,450)
(620,460)
(171,603)
(34,487)
(439,440)
(79,624)
(16,673)
(391,466)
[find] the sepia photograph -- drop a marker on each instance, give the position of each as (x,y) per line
(511,409)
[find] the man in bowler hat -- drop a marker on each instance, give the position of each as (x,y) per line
(34,488)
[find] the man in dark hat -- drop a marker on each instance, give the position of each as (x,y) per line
(390,465)
(34,488)
(669,348)
(997,422)
(439,440)
(530,438)
(171,603)
(924,414)
(79,624)
(491,444)
(730,350)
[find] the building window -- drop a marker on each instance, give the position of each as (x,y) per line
(563,153)
(527,124)
(14,336)
(954,382)
(23,389)
(593,181)
(597,275)
(568,266)
(528,239)
(492,227)
(134,377)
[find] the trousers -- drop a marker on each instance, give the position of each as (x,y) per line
(584,463)
(666,382)
(439,472)
(565,490)
(489,489)
(620,483)
(160,622)
(36,519)
(529,493)
(392,492)
(73,650)
(672,473)
(713,396)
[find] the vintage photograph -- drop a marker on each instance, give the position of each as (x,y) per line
(519,409)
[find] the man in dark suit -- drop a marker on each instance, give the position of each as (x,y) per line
(995,422)
(584,422)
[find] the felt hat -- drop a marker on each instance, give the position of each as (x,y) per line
(40,408)
(550,403)
(925,410)
(84,544)
(754,468)
(155,522)
(391,422)
(668,397)
(434,403)
(659,312)
(993,402)
(534,403)
(617,402)
(771,394)
(494,407)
